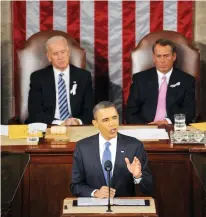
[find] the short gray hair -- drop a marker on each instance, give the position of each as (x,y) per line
(164,42)
(53,39)
(103,105)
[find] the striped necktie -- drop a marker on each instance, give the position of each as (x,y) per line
(62,98)
(106,156)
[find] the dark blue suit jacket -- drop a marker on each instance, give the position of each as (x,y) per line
(42,95)
(143,97)
(87,172)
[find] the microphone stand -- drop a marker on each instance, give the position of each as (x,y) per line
(108,178)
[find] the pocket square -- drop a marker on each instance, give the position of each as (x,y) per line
(174,85)
(122,151)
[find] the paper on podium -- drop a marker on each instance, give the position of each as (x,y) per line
(146,134)
(199,126)
(88,201)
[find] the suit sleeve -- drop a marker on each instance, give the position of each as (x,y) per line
(35,102)
(86,116)
(134,103)
(78,185)
(188,105)
(146,183)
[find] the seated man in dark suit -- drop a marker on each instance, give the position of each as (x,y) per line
(127,154)
(60,93)
(158,93)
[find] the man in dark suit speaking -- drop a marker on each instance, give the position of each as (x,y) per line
(61,92)
(158,93)
(127,154)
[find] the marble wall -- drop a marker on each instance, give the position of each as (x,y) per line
(7,108)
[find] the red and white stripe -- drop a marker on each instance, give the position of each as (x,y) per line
(107,30)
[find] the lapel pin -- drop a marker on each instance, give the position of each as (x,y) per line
(74,88)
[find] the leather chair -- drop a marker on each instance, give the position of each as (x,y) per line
(33,57)
(188,58)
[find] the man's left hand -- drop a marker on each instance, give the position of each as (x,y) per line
(163,122)
(72,121)
(134,167)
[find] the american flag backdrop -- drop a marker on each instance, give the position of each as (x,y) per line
(107,30)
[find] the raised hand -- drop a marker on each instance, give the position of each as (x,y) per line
(134,167)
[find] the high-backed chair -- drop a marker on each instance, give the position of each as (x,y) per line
(188,58)
(33,57)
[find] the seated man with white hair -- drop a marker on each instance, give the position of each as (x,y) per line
(60,93)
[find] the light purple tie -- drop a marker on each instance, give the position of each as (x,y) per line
(161,105)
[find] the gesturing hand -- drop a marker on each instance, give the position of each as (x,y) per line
(134,167)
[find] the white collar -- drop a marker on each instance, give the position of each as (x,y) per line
(65,72)
(161,75)
(102,140)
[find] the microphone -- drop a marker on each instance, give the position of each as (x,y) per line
(108,168)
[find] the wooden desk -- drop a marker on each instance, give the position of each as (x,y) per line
(100,211)
(178,192)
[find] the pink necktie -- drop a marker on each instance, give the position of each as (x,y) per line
(161,105)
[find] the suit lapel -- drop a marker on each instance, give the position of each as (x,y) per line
(73,79)
(95,150)
(50,86)
(153,88)
(120,155)
(172,91)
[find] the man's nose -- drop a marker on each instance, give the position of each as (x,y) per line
(111,123)
(60,56)
(162,59)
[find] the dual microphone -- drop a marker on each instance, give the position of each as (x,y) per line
(108,168)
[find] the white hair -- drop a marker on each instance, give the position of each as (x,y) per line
(53,39)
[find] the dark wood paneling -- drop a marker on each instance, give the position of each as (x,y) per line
(49,185)
(178,192)
(172,178)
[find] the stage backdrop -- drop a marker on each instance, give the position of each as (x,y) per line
(107,30)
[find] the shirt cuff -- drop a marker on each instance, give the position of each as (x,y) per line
(168,120)
(80,122)
(137,181)
(57,122)
(92,194)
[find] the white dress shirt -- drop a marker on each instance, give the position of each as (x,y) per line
(113,150)
(160,76)
(66,77)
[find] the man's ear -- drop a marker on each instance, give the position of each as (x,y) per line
(95,123)
(48,57)
(174,56)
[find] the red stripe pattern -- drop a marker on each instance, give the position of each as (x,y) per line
(101,51)
(46,15)
(73,19)
(19,37)
(156,16)
(101,16)
(128,40)
(185,18)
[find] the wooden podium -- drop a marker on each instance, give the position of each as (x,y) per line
(118,211)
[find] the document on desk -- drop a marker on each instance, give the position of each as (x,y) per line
(146,133)
(87,201)
(128,202)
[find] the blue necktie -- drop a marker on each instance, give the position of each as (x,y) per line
(62,99)
(106,156)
